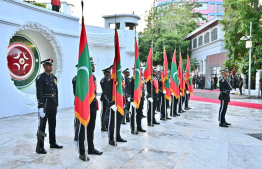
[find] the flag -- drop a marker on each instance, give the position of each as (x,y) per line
(188,77)
(165,78)
(180,75)
(149,66)
(85,88)
(174,88)
(117,93)
(137,85)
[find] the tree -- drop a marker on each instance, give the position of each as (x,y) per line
(36,4)
(168,24)
(236,22)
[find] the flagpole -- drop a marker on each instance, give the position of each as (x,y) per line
(115,119)
(86,157)
(164,80)
(134,87)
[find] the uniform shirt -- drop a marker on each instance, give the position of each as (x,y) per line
(224,89)
(46,90)
(103,82)
(127,86)
(148,86)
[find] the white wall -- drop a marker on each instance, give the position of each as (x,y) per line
(62,32)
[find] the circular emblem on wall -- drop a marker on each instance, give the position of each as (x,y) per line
(22,61)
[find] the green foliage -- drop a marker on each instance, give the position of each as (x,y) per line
(168,24)
(37,4)
(236,22)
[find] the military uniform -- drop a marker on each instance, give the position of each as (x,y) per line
(240,84)
(127,94)
(76,121)
(104,120)
(224,98)
(47,96)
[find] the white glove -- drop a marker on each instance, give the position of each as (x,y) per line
(180,93)
(232,91)
(114,107)
(164,92)
(128,99)
(150,99)
(187,92)
(133,104)
(172,94)
(41,112)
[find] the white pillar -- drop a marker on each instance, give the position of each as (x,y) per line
(204,66)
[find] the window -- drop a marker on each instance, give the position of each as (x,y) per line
(219,8)
(190,45)
(214,34)
(195,43)
(203,7)
(200,41)
(212,6)
(206,38)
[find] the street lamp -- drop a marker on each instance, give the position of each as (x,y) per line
(248,40)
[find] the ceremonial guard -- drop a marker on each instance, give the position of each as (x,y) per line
(47,97)
(104,112)
(76,121)
(127,94)
(90,127)
(240,84)
(152,98)
(224,97)
(163,103)
(111,124)
(138,111)
(215,82)
(158,77)
(187,97)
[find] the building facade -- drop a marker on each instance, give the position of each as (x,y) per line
(210,8)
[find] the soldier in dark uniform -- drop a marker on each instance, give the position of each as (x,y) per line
(47,97)
(163,103)
(152,97)
(158,77)
(138,111)
(76,121)
(104,122)
(215,81)
(90,127)
(224,98)
(127,93)
(240,84)
(111,124)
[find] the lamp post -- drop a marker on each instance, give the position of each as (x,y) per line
(248,40)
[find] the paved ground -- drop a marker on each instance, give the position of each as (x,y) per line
(191,141)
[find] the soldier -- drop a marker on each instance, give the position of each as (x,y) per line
(224,97)
(187,97)
(240,84)
(111,124)
(76,121)
(104,120)
(152,98)
(138,111)
(163,103)
(215,81)
(158,77)
(90,127)
(47,97)
(127,93)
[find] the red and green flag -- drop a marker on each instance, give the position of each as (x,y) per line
(137,85)
(117,93)
(85,88)
(165,79)
(180,75)
(188,77)
(149,66)
(174,88)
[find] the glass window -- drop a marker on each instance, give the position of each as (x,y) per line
(203,7)
(190,45)
(200,41)
(219,8)
(195,43)
(206,38)
(212,6)
(214,34)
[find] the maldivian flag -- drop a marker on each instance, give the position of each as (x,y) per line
(174,78)
(85,90)
(117,78)
(149,66)
(188,77)
(137,86)
(165,79)
(180,75)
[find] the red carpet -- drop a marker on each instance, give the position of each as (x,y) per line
(231,103)
(206,91)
